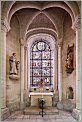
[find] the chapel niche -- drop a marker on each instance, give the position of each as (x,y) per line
(70,93)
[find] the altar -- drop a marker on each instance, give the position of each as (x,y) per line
(46,95)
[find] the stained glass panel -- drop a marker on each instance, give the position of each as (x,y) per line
(36,55)
(35,48)
(45,63)
(41,46)
(46,81)
(36,81)
(45,55)
(46,72)
(36,64)
(36,72)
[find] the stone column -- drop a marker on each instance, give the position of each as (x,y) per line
(22,71)
(77,28)
(4,29)
(56,69)
(60,70)
(26,73)
(26,89)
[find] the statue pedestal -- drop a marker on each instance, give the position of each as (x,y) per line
(14,77)
(4,113)
(76,114)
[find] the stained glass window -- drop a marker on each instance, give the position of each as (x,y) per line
(41,64)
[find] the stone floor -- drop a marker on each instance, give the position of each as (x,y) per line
(61,116)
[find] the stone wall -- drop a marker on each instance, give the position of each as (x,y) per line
(69,80)
(13,46)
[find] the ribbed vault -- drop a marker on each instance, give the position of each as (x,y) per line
(32,14)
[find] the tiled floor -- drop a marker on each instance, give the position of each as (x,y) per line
(62,116)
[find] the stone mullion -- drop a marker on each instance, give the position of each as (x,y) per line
(56,67)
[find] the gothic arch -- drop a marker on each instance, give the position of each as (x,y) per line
(41,30)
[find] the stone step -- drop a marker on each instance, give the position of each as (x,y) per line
(67,105)
(35,111)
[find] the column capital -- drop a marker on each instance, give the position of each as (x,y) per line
(77,23)
(60,41)
(4,24)
(59,44)
(25,47)
(21,42)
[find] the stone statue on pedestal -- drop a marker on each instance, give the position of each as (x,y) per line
(14,65)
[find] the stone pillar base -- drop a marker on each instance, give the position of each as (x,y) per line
(22,106)
(4,113)
(76,114)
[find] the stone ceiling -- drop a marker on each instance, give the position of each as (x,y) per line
(49,18)
(40,15)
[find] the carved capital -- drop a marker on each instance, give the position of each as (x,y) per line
(60,42)
(5,25)
(77,23)
(25,47)
(21,42)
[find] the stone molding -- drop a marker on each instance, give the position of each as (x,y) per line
(5,25)
(41,30)
(77,23)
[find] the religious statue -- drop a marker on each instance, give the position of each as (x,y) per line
(69,59)
(41,85)
(14,64)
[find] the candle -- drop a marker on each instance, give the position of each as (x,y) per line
(42,95)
